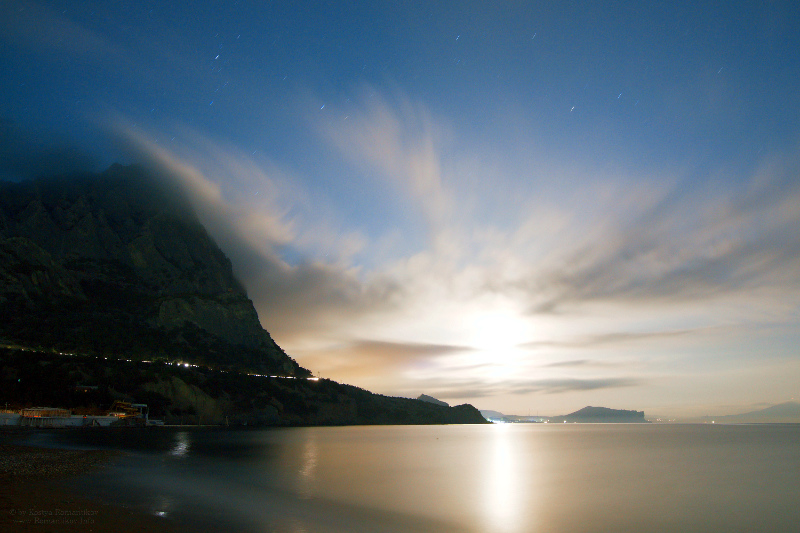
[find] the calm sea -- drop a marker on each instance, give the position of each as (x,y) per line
(499,478)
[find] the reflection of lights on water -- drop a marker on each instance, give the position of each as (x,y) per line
(308,467)
(162,507)
(182,445)
(503,498)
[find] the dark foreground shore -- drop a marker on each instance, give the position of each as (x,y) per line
(36,494)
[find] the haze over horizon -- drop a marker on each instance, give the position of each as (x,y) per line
(526,208)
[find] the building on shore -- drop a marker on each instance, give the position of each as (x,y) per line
(122,413)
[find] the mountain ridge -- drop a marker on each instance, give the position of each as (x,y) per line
(124,250)
(590,414)
(782,413)
(110,284)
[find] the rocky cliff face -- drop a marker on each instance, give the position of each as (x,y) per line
(118,263)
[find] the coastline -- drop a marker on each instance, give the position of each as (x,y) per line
(36,494)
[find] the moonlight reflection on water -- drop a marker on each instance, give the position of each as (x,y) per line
(513,478)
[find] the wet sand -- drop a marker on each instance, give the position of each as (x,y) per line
(36,494)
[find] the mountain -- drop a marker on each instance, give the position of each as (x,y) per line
(600,415)
(488,413)
(118,264)
(783,413)
(431,399)
(107,280)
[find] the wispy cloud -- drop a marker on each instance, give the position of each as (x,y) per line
(402,143)
(399,142)
(371,358)
(447,389)
(695,245)
(576,363)
(607,339)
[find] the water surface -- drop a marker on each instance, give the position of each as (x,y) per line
(510,478)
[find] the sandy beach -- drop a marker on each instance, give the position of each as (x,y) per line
(36,494)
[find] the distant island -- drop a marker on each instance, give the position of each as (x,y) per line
(601,415)
(112,290)
(782,413)
(587,415)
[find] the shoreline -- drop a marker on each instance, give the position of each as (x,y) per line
(36,493)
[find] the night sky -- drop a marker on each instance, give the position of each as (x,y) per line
(527,206)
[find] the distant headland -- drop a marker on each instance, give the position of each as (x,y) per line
(587,415)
